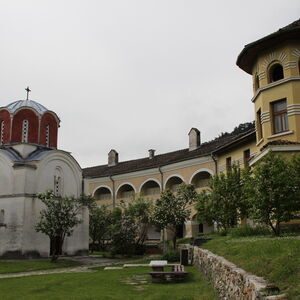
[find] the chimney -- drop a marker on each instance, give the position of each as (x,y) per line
(113,158)
(151,153)
(194,139)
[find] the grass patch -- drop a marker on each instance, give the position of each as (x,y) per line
(275,259)
(33,265)
(106,254)
(129,283)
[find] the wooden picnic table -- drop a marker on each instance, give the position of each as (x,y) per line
(159,274)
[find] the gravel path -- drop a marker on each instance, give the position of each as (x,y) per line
(87,261)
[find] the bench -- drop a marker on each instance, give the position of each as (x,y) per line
(176,275)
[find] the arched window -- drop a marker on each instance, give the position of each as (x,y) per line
(125,191)
(150,188)
(2,133)
(275,73)
(256,82)
(102,193)
(2,216)
(201,179)
(48,135)
(57,186)
(173,183)
(25,128)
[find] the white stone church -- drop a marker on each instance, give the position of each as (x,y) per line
(30,163)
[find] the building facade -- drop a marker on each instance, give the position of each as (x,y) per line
(30,163)
(274,63)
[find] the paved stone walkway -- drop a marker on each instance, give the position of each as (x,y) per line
(87,261)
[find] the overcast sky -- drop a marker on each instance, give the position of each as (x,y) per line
(134,75)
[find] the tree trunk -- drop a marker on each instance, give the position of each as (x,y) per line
(174,238)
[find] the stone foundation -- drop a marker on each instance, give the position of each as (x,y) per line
(231,282)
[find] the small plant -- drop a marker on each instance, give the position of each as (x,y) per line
(247,230)
(171,256)
(183,241)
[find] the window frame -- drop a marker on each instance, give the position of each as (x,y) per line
(279,113)
(271,68)
(259,129)
(246,157)
(228,164)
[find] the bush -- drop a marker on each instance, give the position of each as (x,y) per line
(171,256)
(247,230)
(183,241)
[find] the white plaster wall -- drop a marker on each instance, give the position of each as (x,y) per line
(11,235)
(6,176)
(79,241)
(22,213)
(71,173)
(33,241)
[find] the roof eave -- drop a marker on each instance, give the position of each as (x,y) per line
(248,55)
(245,138)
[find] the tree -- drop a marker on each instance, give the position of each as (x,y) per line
(171,209)
(224,203)
(59,217)
(274,190)
(100,226)
(123,232)
(140,212)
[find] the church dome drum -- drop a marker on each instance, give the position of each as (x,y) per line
(27,121)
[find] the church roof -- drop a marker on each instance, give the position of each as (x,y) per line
(247,57)
(12,107)
(172,157)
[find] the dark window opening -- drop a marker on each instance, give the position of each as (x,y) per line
(256,83)
(276,73)
(201,228)
(228,164)
(259,125)
(246,158)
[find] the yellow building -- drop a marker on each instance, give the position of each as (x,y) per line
(274,63)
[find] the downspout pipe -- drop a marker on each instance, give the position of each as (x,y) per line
(216,162)
(161,178)
(162,188)
(114,194)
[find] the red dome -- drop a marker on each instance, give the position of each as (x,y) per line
(26,121)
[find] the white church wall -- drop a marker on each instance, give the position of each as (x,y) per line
(6,176)
(70,173)
(34,243)
(11,230)
(78,243)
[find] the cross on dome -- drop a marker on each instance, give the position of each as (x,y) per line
(27,90)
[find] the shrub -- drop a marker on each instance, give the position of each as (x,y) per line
(247,230)
(183,241)
(171,256)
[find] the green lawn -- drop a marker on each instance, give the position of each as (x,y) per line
(275,259)
(111,284)
(33,265)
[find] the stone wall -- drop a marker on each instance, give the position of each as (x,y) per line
(231,282)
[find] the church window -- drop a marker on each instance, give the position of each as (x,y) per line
(1,216)
(2,133)
(280,118)
(57,186)
(275,73)
(47,135)
(25,128)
